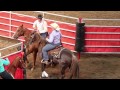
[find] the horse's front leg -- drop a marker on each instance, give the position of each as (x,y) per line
(25,59)
(34,60)
(26,62)
(42,69)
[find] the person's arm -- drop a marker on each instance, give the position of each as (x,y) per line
(6,61)
(35,25)
(51,38)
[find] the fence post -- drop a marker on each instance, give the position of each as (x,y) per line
(78,53)
(10,24)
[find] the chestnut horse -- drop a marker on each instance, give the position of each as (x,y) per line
(17,63)
(21,31)
(60,56)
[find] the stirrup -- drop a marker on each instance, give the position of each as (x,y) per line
(45,62)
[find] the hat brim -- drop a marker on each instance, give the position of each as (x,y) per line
(58,29)
(54,25)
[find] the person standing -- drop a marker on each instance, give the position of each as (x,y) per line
(3,73)
(40,25)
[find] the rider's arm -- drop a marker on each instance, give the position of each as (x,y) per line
(35,25)
(51,38)
(6,61)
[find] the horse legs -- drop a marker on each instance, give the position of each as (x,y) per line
(63,68)
(42,69)
(25,59)
(74,70)
(34,60)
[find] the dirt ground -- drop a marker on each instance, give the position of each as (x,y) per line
(91,66)
(6,42)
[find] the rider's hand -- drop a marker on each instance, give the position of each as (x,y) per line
(47,39)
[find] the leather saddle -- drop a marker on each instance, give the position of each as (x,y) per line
(54,55)
(55,52)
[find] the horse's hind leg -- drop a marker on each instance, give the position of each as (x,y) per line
(42,69)
(63,68)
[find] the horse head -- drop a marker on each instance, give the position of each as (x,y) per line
(19,32)
(17,63)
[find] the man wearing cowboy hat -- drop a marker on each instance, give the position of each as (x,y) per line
(40,25)
(3,73)
(53,41)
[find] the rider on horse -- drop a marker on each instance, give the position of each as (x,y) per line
(40,25)
(54,40)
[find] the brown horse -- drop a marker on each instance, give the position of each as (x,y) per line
(21,31)
(60,56)
(17,63)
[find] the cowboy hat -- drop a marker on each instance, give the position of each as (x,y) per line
(39,16)
(55,26)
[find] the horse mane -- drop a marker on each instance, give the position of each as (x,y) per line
(27,34)
(26,30)
(39,38)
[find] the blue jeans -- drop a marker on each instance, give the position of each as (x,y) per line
(46,48)
(6,75)
(44,35)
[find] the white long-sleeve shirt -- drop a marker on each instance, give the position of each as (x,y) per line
(40,26)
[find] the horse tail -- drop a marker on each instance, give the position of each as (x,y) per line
(74,67)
